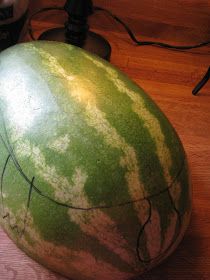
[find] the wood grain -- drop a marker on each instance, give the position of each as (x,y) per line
(168,77)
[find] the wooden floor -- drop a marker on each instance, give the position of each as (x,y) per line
(168,77)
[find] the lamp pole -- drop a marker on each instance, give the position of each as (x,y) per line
(76,30)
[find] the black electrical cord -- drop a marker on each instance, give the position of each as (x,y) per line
(127,28)
(202,83)
(149,43)
(42,10)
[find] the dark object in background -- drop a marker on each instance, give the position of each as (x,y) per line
(76,30)
(77,25)
(13,15)
(202,83)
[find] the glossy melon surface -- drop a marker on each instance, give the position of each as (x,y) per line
(94,179)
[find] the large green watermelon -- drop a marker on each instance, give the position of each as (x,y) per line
(94,179)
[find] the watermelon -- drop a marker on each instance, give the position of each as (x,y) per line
(94,179)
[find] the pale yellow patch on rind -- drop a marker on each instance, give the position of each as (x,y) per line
(65,191)
(153,234)
(180,235)
(60,144)
(14,223)
(170,233)
(100,226)
(175,192)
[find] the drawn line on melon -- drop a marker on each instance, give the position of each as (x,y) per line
(28,205)
(2,178)
(142,229)
(32,185)
(19,169)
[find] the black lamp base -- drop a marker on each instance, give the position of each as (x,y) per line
(94,43)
